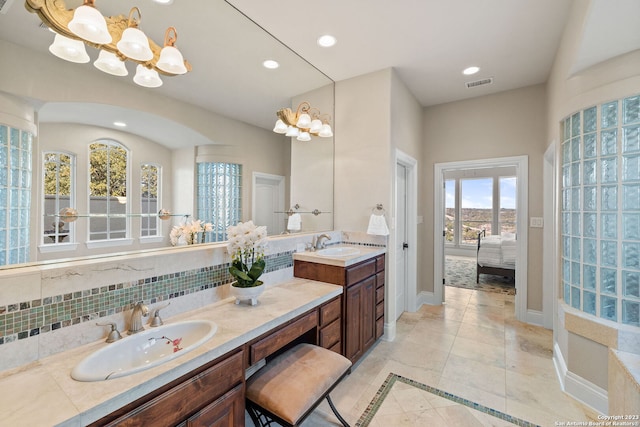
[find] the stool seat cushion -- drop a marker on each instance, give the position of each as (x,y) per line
(293,382)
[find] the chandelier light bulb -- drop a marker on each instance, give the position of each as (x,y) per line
(280,127)
(304,137)
(89,24)
(316,126)
(135,45)
(110,64)
(292,131)
(304,121)
(326,131)
(146,77)
(171,61)
(69,49)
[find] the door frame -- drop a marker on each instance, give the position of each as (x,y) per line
(522,214)
(277,179)
(549,246)
(411,166)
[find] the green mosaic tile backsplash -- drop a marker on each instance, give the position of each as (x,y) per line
(29,318)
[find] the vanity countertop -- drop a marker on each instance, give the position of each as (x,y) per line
(364,253)
(43,393)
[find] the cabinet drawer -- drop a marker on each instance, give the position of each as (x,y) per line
(330,335)
(379,295)
(361,271)
(330,312)
(178,403)
(379,310)
(337,347)
(379,327)
(274,342)
(380,279)
(380,263)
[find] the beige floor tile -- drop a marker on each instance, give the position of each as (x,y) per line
(478,351)
(472,347)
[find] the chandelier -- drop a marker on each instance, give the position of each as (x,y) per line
(306,121)
(117,37)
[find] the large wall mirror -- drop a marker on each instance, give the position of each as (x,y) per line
(179,142)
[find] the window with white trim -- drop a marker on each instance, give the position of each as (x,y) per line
(108,186)
(149,196)
(58,182)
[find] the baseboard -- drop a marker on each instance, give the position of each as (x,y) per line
(389,331)
(577,387)
(428,298)
(535,317)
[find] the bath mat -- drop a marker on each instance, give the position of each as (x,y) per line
(386,387)
(460,272)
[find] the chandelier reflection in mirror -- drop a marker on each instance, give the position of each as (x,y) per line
(117,37)
(303,123)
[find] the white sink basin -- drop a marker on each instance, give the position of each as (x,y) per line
(338,252)
(143,350)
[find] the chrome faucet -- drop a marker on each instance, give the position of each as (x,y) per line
(139,311)
(318,241)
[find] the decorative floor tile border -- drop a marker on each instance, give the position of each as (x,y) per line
(385,388)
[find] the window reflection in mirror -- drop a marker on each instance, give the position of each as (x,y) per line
(149,195)
(108,190)
(219,196)
(59,188)
(15,194)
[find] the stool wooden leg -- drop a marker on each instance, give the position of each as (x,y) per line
(335,411)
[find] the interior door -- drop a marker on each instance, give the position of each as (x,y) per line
(401,239)
(267,202)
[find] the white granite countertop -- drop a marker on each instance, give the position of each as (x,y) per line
(364,253)
(43,393)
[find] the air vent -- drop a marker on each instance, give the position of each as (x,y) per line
(5,5)
(479,83)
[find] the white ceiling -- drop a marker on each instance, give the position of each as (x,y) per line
(429,42)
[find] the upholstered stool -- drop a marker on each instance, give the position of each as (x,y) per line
(291,385)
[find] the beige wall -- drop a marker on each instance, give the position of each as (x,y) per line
(311,181)
(362,148)
(510,123)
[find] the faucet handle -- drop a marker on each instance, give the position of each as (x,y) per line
(156,320)
(114,335)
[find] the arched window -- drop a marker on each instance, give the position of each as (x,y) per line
(108,187)
(58,182)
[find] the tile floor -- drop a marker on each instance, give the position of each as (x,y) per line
(471,347)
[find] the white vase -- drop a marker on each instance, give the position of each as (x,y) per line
(247,294)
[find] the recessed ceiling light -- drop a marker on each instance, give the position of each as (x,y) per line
(163,1)
(120,124)
(471,70)
(270,64)
(326,40)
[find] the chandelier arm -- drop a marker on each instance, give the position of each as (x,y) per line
(133,22)
(170,40)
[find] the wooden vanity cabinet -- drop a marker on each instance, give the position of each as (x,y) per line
(210,396)
(330,326)
(363,301)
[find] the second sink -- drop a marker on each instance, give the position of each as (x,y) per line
(340,251)
(144,350)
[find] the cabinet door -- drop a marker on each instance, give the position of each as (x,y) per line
(227,411)
(368,313)
(353,329)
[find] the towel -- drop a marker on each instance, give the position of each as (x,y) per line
(295,222)
(378,225)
